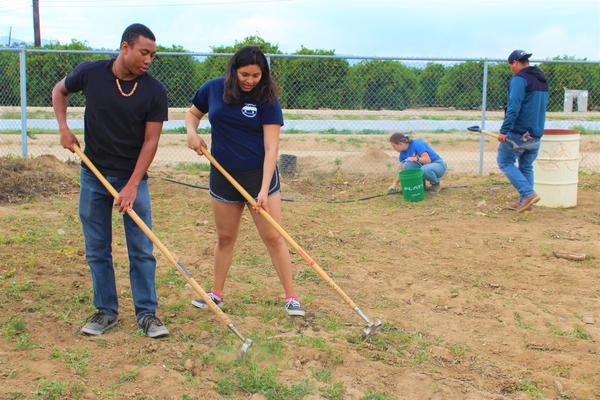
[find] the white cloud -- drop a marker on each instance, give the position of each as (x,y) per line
(432,28)
(558,41)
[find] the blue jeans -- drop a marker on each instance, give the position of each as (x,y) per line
(431,172)
(95,212)
(520,177)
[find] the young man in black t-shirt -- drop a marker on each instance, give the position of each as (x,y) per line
(124,112)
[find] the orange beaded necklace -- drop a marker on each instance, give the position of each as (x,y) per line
(121,89)
(119,84)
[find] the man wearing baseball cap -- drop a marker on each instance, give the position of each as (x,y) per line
(524,119)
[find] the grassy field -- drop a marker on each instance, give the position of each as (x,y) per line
(474,303)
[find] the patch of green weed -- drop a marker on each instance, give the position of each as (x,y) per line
(15,290)
(334,392)
(170,278)
(128,376)
(308,341)
(330,323)
(577,332)
(251,379)
(15,329)
(375,396)
(51,390)
(78,360)
(322,375)
(395,345)
(531,389)
(458,350)
(355,141)
(520,322)
(307,275)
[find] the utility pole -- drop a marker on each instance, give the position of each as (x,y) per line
(36,23)
(9,35)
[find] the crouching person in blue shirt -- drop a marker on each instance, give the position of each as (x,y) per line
(415,154)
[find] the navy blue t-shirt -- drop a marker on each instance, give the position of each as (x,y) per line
(237,138)
(115,125)
(416,148)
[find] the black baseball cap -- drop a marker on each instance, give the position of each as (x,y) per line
(518,55)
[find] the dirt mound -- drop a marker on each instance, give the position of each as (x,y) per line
(375,153)
(44,176)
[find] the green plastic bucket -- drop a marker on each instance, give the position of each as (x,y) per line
(411,180)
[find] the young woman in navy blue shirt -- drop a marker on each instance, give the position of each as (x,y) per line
(246,120)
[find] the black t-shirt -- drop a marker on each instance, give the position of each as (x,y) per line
(114,124)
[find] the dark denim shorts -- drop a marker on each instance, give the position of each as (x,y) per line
(222,190)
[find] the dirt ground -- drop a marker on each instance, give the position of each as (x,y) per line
(473,300)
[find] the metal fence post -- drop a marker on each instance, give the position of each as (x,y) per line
(23,83)
(483,107)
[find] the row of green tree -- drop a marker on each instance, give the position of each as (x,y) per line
(311,83)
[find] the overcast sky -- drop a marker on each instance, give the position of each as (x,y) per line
(421,28)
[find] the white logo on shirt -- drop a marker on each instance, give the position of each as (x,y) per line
(249,110)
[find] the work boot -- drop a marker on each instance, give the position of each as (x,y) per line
(294,308)
(152,326)
(513,206)
(527,202)
(99,323)
(201,304)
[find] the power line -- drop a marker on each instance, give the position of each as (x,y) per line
(132,4)
(15,3)
(148,2)
(9,7)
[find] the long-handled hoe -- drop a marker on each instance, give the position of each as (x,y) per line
(512,143)
(371,326)
(214,308)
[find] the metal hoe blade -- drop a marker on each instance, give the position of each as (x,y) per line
(245,348)
(247,342)
(514,145)
(371,328)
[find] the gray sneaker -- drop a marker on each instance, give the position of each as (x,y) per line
(99,323)
(201,304)
(435,188)
(294,308)
(152,326)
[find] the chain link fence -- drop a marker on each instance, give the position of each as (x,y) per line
(338,111)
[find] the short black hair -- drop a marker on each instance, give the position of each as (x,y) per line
(133,31)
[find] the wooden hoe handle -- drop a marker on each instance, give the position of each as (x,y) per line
(279,229)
